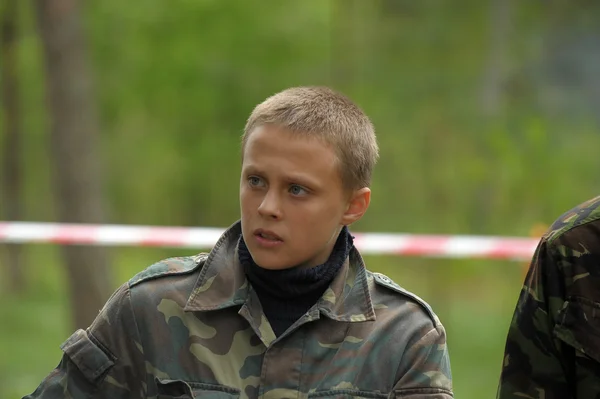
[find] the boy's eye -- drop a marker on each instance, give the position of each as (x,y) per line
(254,181)
(297,190)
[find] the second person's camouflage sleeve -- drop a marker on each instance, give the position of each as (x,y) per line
(552,348)
(104,361)
(533,362)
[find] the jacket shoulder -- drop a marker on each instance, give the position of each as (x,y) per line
(170,267)
(579,216)
(386,282)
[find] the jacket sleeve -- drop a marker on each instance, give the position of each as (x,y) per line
(534,361)
(552,349)
(426,372)
(104,361)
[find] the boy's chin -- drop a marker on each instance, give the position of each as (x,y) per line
(270,262)
(272,265)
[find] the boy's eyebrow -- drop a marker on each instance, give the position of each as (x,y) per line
(302,180)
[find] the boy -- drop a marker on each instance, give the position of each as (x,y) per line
(282,307)
(553,345)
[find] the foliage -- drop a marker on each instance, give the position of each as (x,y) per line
(175,82)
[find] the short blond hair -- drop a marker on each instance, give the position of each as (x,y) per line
(325,114)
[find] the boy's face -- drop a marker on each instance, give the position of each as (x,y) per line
(292,200)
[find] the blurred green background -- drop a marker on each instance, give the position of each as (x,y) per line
(486,114)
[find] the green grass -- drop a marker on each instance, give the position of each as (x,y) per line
(474,299)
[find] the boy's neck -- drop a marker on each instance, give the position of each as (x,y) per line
(286,295)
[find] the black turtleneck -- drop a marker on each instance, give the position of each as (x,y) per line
(286,295)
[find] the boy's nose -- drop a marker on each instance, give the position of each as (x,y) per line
(270,205)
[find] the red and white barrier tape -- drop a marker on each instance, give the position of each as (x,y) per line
(487,247)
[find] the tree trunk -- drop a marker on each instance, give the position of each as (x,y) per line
(343,64)
(74,135)
(351,44)
(10,187)
(495,71)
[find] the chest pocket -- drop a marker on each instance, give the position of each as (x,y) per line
(178,389)
(579,326)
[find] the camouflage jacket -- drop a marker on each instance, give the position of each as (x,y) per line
(553,345)
(193,327)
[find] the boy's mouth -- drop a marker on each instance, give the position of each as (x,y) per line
(267,235)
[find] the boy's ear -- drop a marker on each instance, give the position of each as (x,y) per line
(357,206)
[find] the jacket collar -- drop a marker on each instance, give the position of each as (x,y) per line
(223,284)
